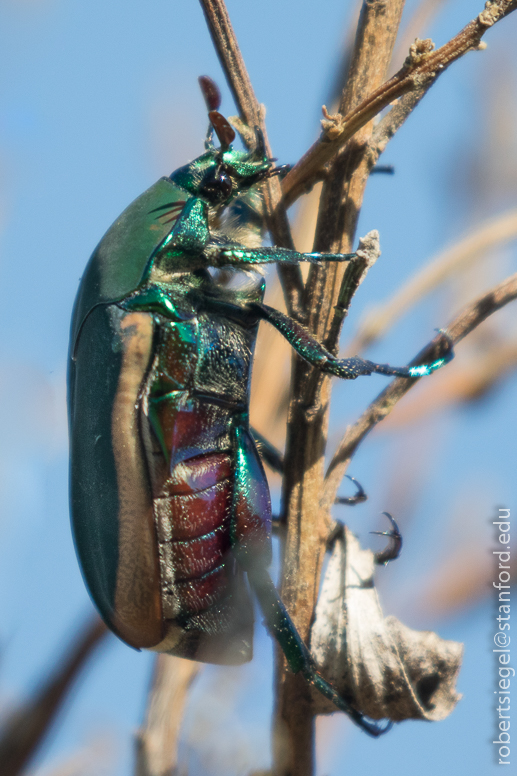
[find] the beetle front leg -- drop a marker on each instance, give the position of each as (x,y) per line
(296,653)
(224,254)
(347,368)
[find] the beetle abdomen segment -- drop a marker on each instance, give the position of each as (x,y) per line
(198,595)
(198,473)
(193,533)
(197,557)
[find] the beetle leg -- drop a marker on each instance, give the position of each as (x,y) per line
(250,521)
(358,498)
(250,516)
(191,232)
(297,655)
(347,368)
(268,452)
(222,254)
(394,547)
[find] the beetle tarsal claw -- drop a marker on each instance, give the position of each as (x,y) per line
(394,547)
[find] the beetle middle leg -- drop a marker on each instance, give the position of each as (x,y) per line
(317,354)
(347,368)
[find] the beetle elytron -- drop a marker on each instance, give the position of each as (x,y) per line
(170,505)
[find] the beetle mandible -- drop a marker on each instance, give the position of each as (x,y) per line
(169,500)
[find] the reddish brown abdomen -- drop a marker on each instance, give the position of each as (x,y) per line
(193,511)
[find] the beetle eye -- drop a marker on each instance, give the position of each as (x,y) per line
(217,185)
(225,183)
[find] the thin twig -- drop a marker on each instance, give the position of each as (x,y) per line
(473,246)
(347,175)
(462,325)
(25,729)
(252,113)
(392,122)
(420,71)
(157,740)
(421,19)
(485,369)
(367,254)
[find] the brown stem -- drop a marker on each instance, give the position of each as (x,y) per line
(420,71)
(303,482)
(252,114)
(24,730)
(157,740)
(462,325)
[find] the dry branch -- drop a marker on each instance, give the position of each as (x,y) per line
(469,381)
(157,740)
(307,429)
(25,729)
(474,246)
(252,114)
(420,70)
(462,325)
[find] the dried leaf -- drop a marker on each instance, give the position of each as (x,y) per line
(388,670)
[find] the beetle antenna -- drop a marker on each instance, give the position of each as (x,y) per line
(212,97)
(210,92)
(223,130)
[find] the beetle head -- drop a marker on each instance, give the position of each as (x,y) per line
(221,173)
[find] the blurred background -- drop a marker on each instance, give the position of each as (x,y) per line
(97,101)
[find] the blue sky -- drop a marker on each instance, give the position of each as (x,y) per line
(97,101)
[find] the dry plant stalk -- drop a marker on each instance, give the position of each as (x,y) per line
(25,729)
(157,740)
(471,317)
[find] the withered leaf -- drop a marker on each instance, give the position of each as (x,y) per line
(386,669)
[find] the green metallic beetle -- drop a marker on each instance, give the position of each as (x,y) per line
(170,505)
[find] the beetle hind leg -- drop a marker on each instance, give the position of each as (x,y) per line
(297,655)
(359,496)
(394,547)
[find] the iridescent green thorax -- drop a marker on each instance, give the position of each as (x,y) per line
(189,176)
(246,166)
(243,168)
